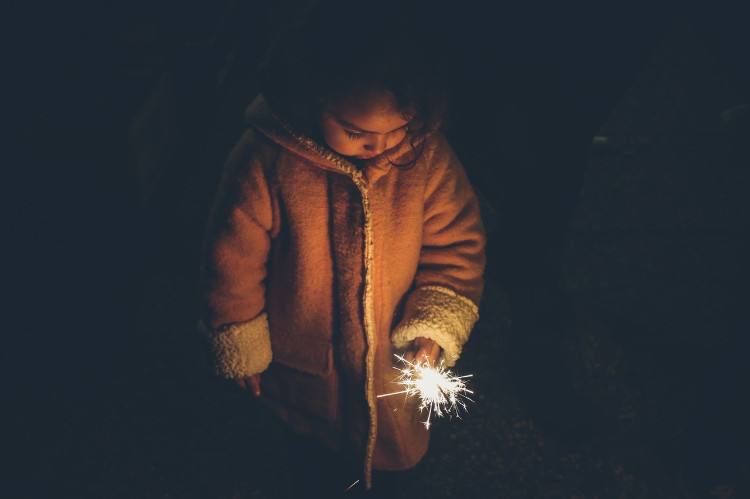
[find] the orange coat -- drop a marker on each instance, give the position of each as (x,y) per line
(317,272)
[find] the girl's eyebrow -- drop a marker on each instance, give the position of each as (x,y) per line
(361,130)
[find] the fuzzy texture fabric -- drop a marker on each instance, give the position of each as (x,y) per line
(243,349)
(331,252)
(438,314)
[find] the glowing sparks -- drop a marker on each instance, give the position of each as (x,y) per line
(350,486)
(440,392)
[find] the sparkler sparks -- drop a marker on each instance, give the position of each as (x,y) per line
(438,389)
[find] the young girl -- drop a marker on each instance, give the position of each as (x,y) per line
(344,231)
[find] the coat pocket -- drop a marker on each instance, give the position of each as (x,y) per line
(305,354)
(301,375)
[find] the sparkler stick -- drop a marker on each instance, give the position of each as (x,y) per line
(438,389)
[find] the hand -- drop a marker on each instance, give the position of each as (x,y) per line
(251,383)
(423,350)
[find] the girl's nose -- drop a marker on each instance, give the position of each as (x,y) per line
(377,145)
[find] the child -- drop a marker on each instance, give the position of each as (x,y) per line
(344,231)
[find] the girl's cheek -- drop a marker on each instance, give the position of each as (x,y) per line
(397,139)
(342,145)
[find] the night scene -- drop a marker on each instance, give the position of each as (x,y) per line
(386,249)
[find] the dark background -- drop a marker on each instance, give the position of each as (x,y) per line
(121,115)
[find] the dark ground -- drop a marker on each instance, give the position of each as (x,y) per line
(655,265)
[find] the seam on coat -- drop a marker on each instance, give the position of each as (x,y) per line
(440,314)
(241,349)
(361,183)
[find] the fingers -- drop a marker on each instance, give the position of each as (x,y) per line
(429,353)
(255,384)
(251,383)
(409,356)
(423,350)
(434,354)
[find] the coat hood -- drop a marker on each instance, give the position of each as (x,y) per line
(261,117)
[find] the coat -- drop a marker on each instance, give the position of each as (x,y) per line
(316,272)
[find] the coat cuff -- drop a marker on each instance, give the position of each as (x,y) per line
(241,349)
(439,314)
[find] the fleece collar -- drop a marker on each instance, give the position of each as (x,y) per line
(262,118)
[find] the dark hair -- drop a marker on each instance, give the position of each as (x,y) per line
(336,51)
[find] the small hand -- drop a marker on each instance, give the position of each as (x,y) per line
(251,383)
(423,350)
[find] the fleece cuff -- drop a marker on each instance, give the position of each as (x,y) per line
(439,314)
(241,349)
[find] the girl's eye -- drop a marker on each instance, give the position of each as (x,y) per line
(359,135)
(354,135)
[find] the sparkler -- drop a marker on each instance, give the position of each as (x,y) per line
(438,389)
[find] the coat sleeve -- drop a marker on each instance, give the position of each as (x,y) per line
(443,305)
(235,254)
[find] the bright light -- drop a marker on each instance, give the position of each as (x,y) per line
(439,391)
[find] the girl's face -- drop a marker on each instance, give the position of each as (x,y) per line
(364,125)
